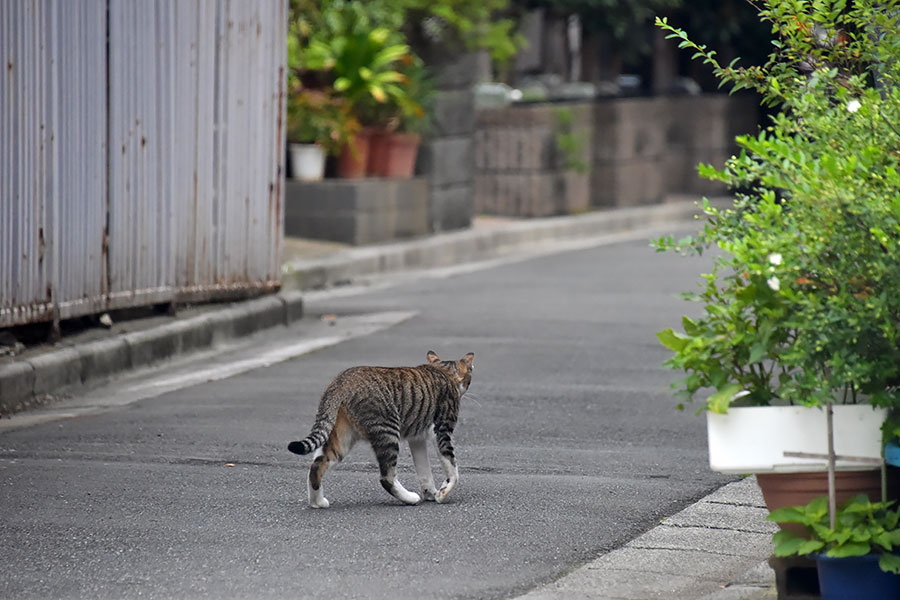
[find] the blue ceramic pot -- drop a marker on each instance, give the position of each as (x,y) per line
(892,454)
(856,578)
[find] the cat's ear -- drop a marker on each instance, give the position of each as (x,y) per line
(431,357)
(469,359)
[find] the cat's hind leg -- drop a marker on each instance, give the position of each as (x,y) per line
(419,450)
(338,444)
(448,462)
(386,451)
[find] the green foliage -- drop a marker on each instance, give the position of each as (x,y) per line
(732,25)
(474,23)
(569,144)
(861,527)
(356,52)
(801,305)
(357,56)
(315,116)
(626,21)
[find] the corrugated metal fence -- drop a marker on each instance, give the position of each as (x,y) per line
(141,149)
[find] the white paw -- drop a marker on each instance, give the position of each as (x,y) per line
(319,503)
(429,494)
(444,491)
(411,498)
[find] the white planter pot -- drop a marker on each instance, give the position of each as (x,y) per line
(307,162)
(754,439)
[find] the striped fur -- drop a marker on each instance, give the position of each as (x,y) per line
(382,406)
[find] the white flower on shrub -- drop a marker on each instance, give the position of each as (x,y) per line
(773,283)
(775,258)
(853,106)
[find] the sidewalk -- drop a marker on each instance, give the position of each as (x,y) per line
(714,549)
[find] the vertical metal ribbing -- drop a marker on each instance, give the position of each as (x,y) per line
(140,147)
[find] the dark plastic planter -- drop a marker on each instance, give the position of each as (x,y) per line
(856,578)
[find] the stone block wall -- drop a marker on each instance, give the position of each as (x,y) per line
(357,211)
(520,167)
(445,155)
(639,150)
(648,148)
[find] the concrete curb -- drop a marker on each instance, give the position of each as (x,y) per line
(27,382)
(472,245)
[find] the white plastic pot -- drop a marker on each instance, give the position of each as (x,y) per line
(307,162)
(754,439)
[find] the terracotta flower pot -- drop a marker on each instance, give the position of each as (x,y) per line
(393,154)
(353,160)
(798,489)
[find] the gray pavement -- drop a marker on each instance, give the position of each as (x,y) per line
(714,549)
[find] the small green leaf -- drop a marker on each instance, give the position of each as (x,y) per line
(787,514)
(883,539)
(810,547)
(889,563)
(672,340)
(341,84)
(787,543)
(690,327)
(851,549)
(719,401)
(758,351)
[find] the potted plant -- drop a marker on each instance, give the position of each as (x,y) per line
(800,309)
(360,57)
(400,122)
(318,122)
(856,554)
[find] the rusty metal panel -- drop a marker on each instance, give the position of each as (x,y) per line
(52,159)
(141,138)
(195,44)
(247,171)
(195,137)
(232,236)
(78,191)
(141,151)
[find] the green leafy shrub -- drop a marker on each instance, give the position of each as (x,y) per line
(357,52)
(570,145)
(471,24)
(861,527)
(356,56)
(315,116)
(802,303)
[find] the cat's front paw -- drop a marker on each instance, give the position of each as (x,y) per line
(429,495)
(445,490)
(411,498)
(319,502)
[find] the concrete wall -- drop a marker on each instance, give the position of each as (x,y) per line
(520,168)
(639,150)
(648,148)
(357,211)
(445,156)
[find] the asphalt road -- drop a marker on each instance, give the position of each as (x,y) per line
(569,445)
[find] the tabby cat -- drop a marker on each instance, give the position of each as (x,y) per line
(381,406)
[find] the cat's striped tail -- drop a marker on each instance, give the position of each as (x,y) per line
(314,440)
(326,417)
